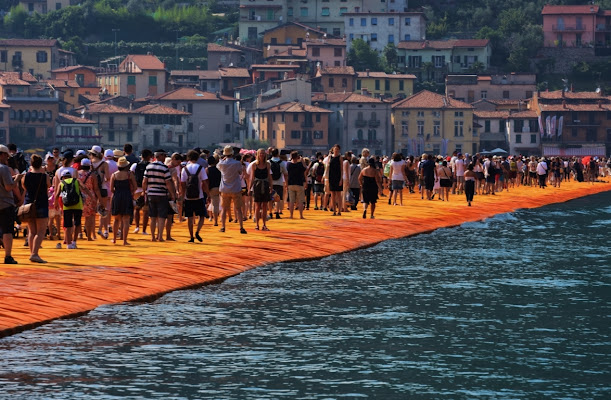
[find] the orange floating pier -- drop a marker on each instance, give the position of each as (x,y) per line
(77,281)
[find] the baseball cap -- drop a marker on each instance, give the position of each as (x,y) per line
(86,162)
(3,149)
(95,149)
(66,173)
(81,153)
(109,153)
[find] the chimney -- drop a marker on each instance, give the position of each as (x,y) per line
(367,72)
(66,83)
(562,91)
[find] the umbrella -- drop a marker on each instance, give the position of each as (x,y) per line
(32,151)
(498,150)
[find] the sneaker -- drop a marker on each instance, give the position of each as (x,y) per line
(243,231)
(145,233)
(278,216)
(58,246)
(137,230)
(10,260)
(192,240)
(72,246)
(37,259)
(199,238)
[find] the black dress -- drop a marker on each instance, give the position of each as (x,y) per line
(261,185)
(36,191)
(122,203)
(370,190)
(335,174)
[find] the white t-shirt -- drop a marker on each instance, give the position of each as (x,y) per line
(112,166)
(60,172)
(541,168)
(397,170)
(345,165)
(192,167)
(459,167)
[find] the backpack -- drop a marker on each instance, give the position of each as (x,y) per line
(193,184)
(69,193)
(140,170)
(276,170)
(20,162)
(320,172)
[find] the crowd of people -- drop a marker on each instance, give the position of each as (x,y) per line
(89,189)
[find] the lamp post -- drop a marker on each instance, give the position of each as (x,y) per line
(115,32)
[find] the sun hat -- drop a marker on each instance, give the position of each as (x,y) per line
(81,153)
(49,155)
(96,149)
(118,153)
(122,163)
(3,149)
(228,151)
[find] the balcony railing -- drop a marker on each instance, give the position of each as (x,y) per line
(603,28)
(367,142)
(360,123)
(116,127)
(566,28)
(374,123)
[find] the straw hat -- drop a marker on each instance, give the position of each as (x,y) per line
(228,151)
(122,163)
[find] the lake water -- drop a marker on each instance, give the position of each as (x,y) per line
(514,307)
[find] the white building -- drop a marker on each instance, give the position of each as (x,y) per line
(380,29)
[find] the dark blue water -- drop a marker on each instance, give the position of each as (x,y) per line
(515,307)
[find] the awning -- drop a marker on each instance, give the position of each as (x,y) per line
(597,151)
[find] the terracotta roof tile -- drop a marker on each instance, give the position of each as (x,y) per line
(426,99)
(192,94)
(574,107)
(159,109)
(12,79)
(427,44)
(504,102)
(325,42)
(144,62)
(274,66)
(61,83)
(295,107)
(363,74)
(344,98)
(72,119)
(201,74)
(105,108)
(234,73)
(490,114)
(223,49)
(557,94)
(29,42)
(72,68)
(585,9)
(337,71)
(472,43)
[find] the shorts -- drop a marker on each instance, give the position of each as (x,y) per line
(226,199)
(280,190)
(532,174)
(445,183)
(319,188)
(195,207)
(215,199)
(72,218)
(513,174)
(7,220)
(490,179)
(296,194)
(397,185)
(429,182)
(53,213)
(158,206)
(460,179)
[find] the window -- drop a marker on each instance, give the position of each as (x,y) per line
(436,128)
(3,56)
(420,128)
(377,84)
(533,138)
(318,134)
(414,61)
(252,31)
(337,52)
(111,136)
(111,122)
(407,36)
(487,126)
(190,127)
(436,114)
(41,56)
(358,87)
(363,21)
(421,114)
(58,6)
(337,63)
(331,82)
(518,138)
(458,128)
(404,128)
(351,21)
(391,38)
(304,11)
(325,12)
(343,10)
(2,116)
(408,21)
(484,94)
(401,85)
(317,117)
(295,117)
(374,21)
(374,37)
(315,51)
(518,125)
(295,134)
(458,114)
(289,11)
(391,21)
(152,80)
(226,109)
(439,61)
(273,134)
(227,128)
(351,37)
(505,94)
(190,108)
(344,82)
(337,32)
(387,84)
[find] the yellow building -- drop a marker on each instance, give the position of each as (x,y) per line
(385,85)
(68,93)
(291,33)
(428,122)
(36,56)
(138,76)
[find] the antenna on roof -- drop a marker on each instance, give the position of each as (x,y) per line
(597,90)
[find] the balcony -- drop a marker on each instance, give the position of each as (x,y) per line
(565,28)
(374,123)
(603,28)
(307,141)
(116,127)
(360,123)
(367,142)
(582,124)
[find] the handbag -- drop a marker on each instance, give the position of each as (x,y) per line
(27,212)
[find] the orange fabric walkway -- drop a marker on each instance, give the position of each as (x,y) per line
(77,281)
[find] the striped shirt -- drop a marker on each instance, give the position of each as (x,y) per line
(157,173)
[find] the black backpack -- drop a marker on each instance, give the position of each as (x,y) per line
(140,170)
(69,194)
(20,162)
(320,172)
(276,170)
(193,184)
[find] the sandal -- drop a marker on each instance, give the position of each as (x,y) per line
(222,230)
(265,228)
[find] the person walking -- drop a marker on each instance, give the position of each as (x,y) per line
(261,184)
(371,182)
(36,184)
(231,187)
(88,179)
(335,179)
(123,186)
(214,183)
(296,184)
(70,191)
(10,196)
(159,189)
(194,189)
(470,178)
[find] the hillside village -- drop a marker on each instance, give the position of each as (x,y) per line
(289,81)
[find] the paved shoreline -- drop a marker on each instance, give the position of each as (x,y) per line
(77,281)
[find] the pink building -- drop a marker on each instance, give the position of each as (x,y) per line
(327,52)
(576,26)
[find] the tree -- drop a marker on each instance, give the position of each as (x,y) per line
(15,20)
(362,57)
(254,144)
(391,57)
(477,68)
